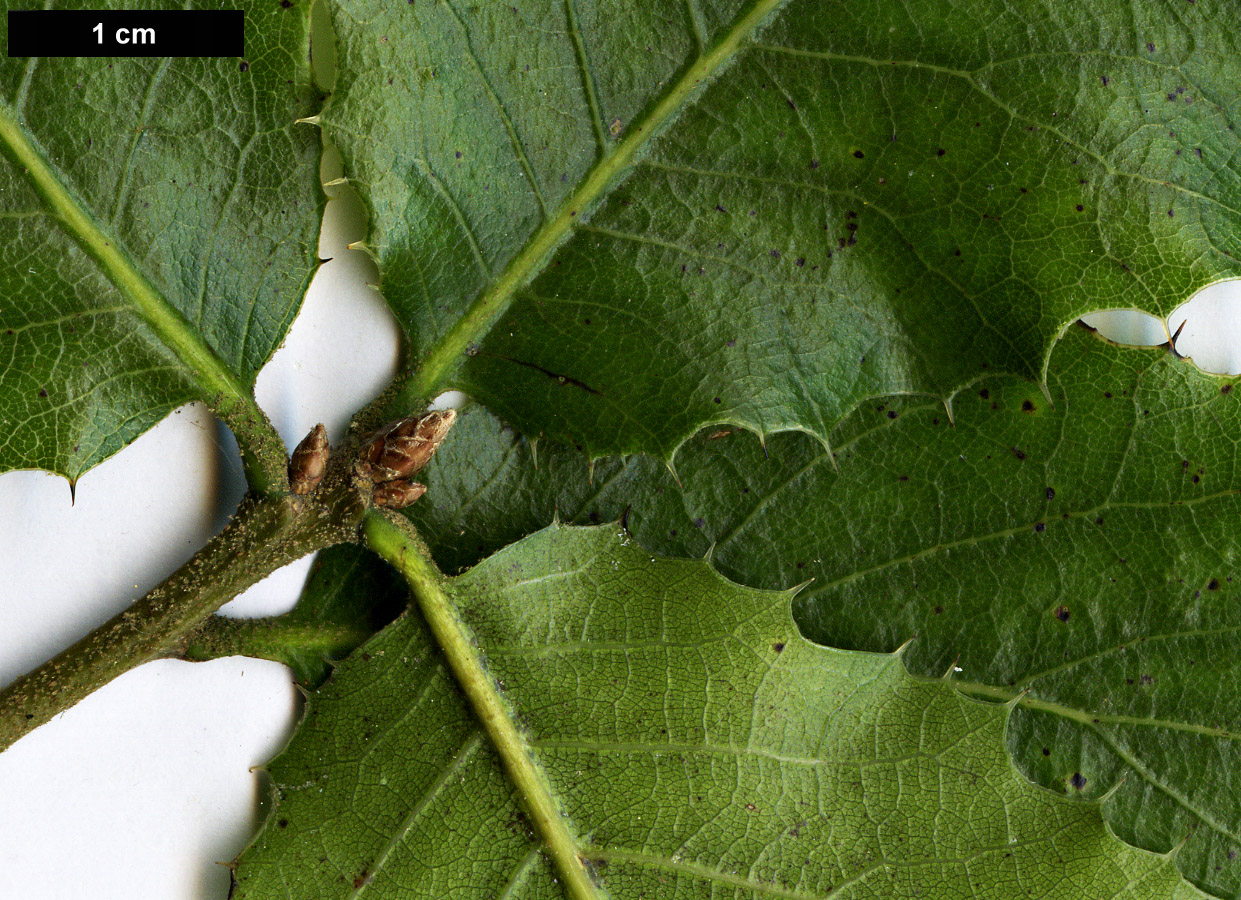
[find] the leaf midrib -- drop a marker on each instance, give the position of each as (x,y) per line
(217,383)
(404,551)
(443,358)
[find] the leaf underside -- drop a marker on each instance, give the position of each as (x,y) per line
(1083,554)
(859,200)
(697,746)
(186,178)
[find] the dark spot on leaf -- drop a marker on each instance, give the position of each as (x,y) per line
(43,392)
(778,646)
(245,67)
(699,522)
(1105,81)
(717,399)
(1046,752)
(1051,493)
(283,823)
(1019,453)
(985,394)
(1198,152)
(1078,780)
(1226,389)
(1080,208)
(1061,613)
(1147,679)
(814,163)
(939,610)
(1171,213)
(1213,584)
(1027,406)
(801,260)
(1098,521)
(940,152)
(1195,479)
(1150,46)
(1040,526)
(891,414)
(858,154)
(775,254)
(903,478)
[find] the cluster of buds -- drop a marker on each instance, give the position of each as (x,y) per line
(400,450)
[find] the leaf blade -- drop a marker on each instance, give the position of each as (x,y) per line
(852,209)
(162,288)
(598,648)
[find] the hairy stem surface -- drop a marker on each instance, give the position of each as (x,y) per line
(265,535)
(395,540)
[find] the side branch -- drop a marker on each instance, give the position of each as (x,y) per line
(265,535)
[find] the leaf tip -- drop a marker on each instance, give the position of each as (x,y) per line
(797,588)
(1111,792)
(1014,702)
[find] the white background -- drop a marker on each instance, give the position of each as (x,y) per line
(143,790)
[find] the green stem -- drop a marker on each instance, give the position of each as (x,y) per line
(262,451)
(275,639)
(448,351)
(265,535)
(394,539)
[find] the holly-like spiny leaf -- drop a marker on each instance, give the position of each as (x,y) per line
(159,218)
(1079,556)
(695,743)
(762,213)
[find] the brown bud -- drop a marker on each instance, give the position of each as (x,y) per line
(404,447)
(397,494)
(308,461)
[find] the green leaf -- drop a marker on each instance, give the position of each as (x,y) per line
(695,744)
(763,213)
(1079,560)
(160,220)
